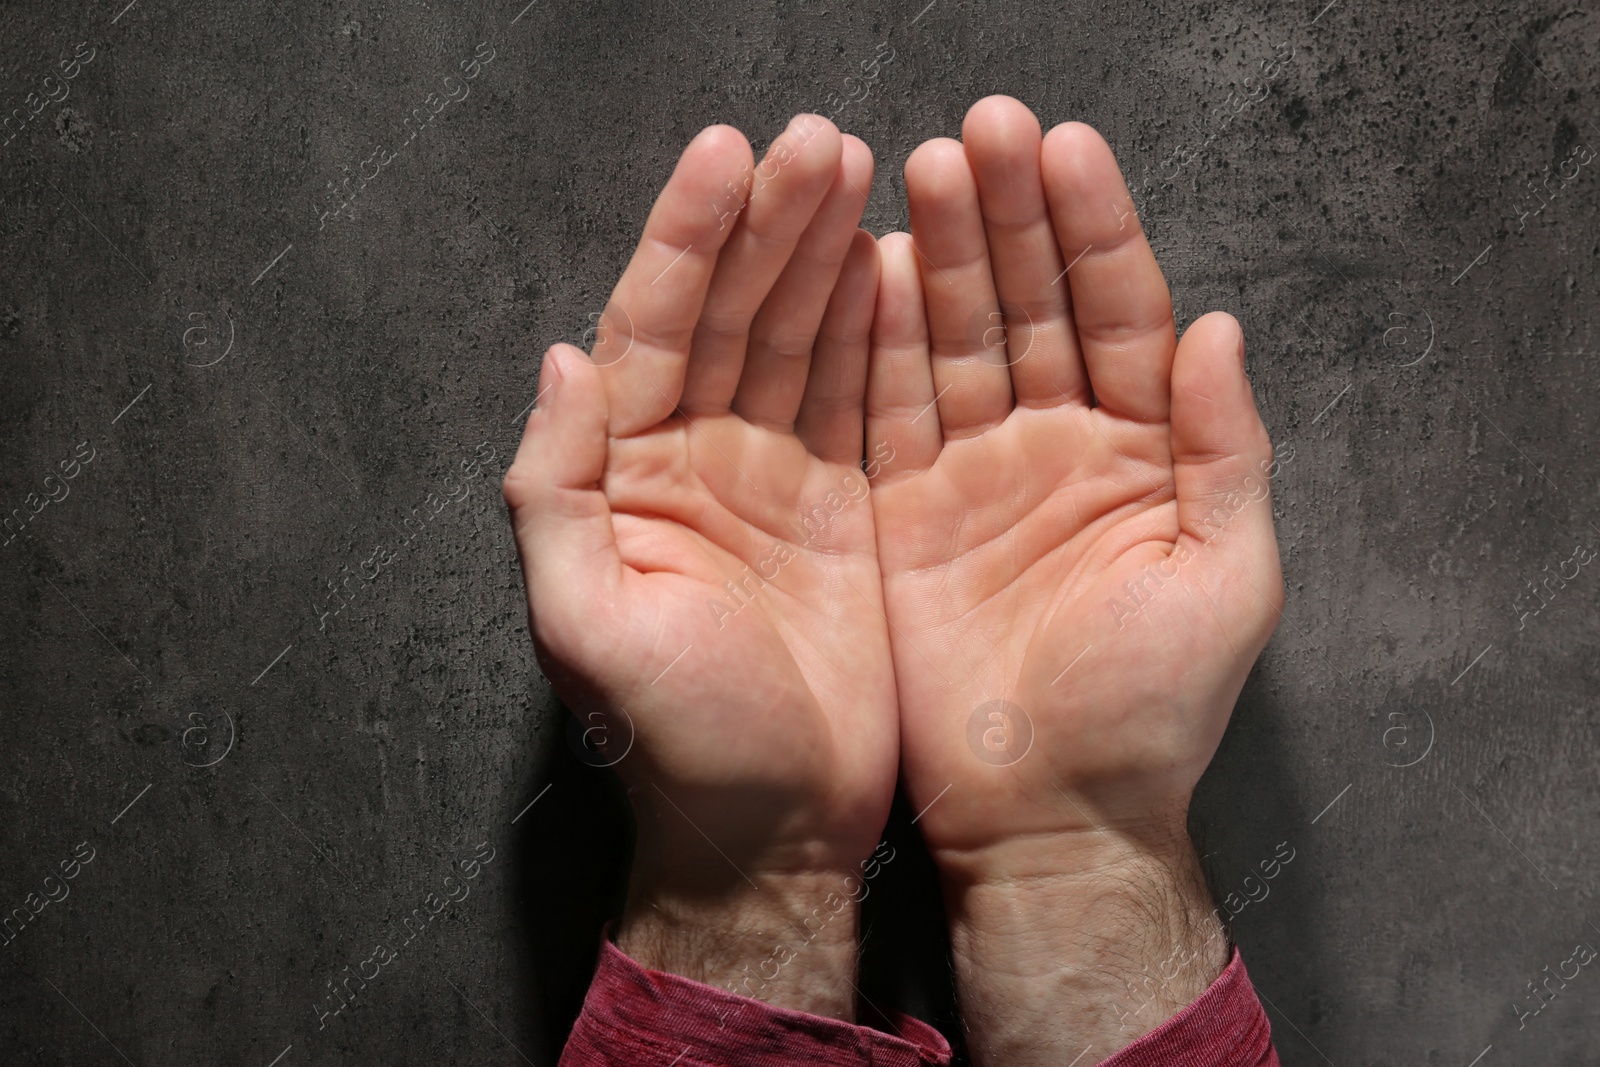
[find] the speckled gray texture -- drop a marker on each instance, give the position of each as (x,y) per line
(275,402)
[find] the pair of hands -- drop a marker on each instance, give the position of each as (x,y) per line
(1067,513)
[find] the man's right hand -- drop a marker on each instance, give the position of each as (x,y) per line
(1079,570)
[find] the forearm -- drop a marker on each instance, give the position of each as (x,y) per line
(1070,947)
(788,940)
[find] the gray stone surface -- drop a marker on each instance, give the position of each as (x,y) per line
(267,398)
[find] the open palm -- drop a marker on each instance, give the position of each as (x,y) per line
(693,519)
(1078,558)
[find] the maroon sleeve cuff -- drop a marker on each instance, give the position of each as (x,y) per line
(643,1018)
(1225,1027)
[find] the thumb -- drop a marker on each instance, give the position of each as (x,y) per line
(559,513)
(1223,467)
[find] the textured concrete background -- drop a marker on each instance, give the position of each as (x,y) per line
(223,413)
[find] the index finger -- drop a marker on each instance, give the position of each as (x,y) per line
(1120,302)
(642,344)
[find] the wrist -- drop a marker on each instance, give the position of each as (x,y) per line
(788,939)
(1067,941)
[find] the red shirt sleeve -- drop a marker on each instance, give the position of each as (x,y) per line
(1225,1027)
(638,1018)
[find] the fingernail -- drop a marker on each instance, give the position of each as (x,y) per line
(549,377)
